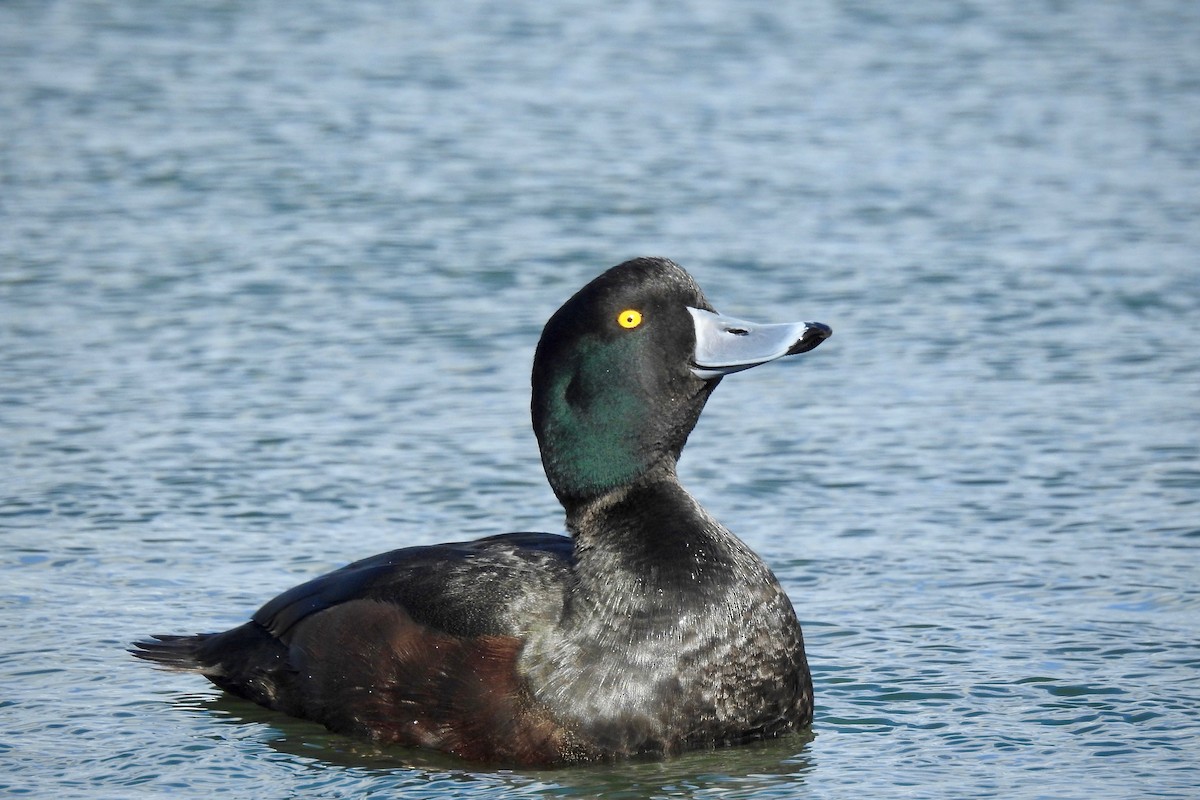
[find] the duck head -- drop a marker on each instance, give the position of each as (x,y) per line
(624,368)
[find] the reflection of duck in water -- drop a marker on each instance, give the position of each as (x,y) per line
(651,630)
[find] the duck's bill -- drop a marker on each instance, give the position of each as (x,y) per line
(725,344)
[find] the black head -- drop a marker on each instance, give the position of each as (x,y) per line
(612,388)
(623,370)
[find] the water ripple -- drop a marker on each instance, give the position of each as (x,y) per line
(271,285)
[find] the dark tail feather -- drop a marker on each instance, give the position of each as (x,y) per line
(247,661)
(173,652)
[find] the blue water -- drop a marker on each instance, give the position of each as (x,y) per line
(271,276)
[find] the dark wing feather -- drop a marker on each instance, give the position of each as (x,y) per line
(482,587)
(498,586)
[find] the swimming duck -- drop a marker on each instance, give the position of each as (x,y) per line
(650,630)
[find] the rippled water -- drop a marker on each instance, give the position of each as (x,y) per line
(271,277)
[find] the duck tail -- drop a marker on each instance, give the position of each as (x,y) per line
(247,661)
(173,652)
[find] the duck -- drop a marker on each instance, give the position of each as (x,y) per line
(648,630)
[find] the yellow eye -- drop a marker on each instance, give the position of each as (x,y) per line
(629,318)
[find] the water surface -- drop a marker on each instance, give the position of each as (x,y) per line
(271,278)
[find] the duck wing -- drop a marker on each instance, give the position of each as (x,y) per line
(494,586)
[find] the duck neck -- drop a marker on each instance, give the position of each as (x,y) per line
(650,545)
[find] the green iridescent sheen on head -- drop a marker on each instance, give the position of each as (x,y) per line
(591,418)
(611,399)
